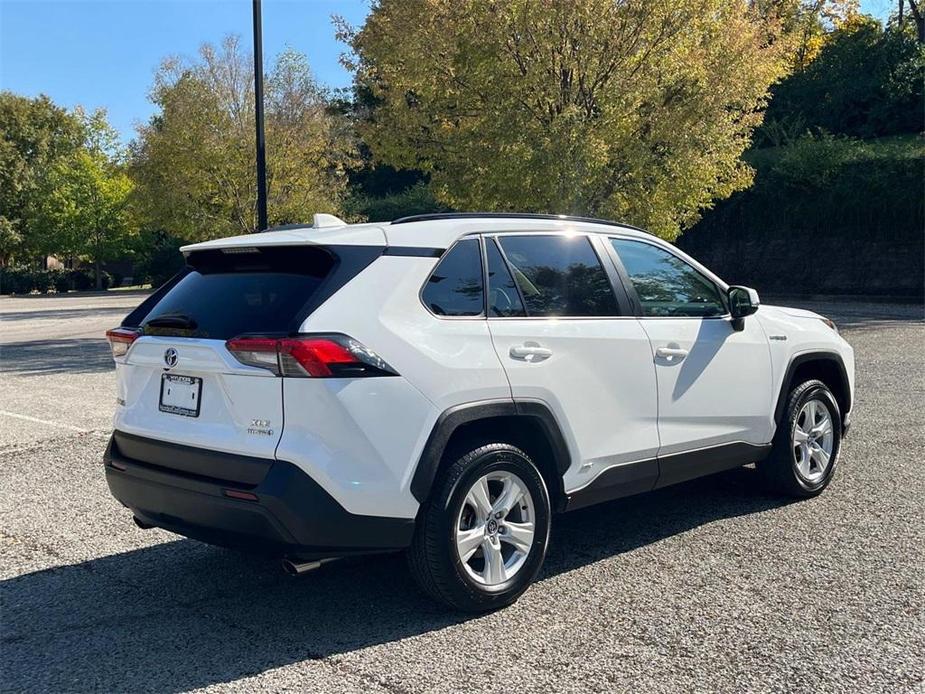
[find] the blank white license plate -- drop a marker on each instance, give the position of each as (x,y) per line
(180,395)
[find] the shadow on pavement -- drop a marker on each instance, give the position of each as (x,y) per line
(73,356)
(182,615)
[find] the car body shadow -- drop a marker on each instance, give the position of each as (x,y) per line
(180,615)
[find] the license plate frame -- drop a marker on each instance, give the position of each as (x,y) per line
(188,386)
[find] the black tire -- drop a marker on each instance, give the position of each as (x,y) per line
(433,558)
(779,470)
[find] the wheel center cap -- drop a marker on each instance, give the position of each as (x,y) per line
(492,526)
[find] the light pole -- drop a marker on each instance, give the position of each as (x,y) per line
(258,107)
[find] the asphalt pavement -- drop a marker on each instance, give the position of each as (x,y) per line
(713,585)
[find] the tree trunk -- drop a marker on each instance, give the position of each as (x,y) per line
(919,20)
(99,275)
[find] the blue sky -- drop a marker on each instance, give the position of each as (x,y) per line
(105,53)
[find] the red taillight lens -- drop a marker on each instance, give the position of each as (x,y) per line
(316,356)
(120,339)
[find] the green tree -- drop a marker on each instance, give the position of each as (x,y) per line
(194,161)
(636,109)
(34,134)
(806,24)
(84,209)
(866,81)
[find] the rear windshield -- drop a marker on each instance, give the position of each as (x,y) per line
(228,293)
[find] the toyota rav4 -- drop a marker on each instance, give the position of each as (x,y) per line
(445,384)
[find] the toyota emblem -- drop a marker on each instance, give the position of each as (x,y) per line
(170,357)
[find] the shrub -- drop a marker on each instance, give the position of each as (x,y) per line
(24,280)
(418,199)
(15,280)
(61,280)
(865,82)
(159,258)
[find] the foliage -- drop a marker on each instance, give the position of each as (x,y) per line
(826,215)
(24,280)
(10,238)
(159,257)
(417,199)
(836,185)
(84,201)
(866,82)
(194,162)
(34,135)
(806,24)
(633,110)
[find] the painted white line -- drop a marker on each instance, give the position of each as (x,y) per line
(44,421)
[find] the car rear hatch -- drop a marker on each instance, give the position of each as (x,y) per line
(177,380)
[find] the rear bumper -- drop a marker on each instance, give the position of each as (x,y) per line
(176,488)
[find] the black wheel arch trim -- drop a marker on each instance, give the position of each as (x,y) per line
(797,361)
(451,419)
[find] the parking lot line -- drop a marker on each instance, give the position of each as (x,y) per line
(44,421)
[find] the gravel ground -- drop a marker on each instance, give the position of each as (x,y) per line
(708,586)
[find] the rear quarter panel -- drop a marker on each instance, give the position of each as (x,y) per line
(362,439)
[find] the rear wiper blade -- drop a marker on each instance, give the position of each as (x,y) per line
(176,320)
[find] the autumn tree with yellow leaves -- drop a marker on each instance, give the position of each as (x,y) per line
(636,109)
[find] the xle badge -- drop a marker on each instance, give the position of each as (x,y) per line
(260,427)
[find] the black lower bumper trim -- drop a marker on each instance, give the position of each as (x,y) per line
(237,469)
(293,514)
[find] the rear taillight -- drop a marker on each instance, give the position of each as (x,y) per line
(120,339)
(315,356)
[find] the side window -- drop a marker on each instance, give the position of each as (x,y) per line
(559,276)
(454,288)
(665,284)
(503,297)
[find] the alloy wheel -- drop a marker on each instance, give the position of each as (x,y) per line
(812,440)
(495,528)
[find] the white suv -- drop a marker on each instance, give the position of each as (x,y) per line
(445,383)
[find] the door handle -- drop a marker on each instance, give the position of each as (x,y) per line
(671,354)
(530,351)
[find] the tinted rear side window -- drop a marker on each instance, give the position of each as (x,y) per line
(560,276)
(455,286)
(225,294)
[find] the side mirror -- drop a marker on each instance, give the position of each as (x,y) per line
(743,301)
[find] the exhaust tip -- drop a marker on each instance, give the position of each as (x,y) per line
(295,567)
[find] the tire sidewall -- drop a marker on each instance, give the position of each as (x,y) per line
(816,392)
(510,460)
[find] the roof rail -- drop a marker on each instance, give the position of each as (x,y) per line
(284,227)
(434,216)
